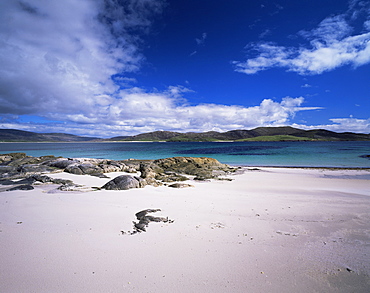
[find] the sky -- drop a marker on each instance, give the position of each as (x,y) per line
(108,68)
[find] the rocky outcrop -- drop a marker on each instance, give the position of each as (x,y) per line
(149,173)
(28,182)
(62,163)
(170,170)
(18,165)
(152,172)
(200,167)
(4,158)
(94,167)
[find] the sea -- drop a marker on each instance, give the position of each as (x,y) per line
(342,154)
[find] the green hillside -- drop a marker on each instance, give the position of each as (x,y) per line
(258,134)
(277,138)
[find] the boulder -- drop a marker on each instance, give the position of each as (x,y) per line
(73,169)
(83,169)
(90,169)
(124,182)
(62,163)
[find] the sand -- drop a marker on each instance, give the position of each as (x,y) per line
(268,230)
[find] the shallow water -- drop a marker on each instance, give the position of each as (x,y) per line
(301,154)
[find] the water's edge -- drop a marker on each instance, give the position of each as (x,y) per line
(262,154)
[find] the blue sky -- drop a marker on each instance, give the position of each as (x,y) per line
(108,68)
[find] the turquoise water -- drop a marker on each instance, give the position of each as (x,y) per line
(301,154)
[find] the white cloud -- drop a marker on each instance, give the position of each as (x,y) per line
(66,61)
(167,111)
(330,29)
(202,39)
(137,111)
(58,57)
(331,45)
(341,125)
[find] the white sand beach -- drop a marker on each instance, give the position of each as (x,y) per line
(268,230)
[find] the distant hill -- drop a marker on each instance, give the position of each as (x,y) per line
(14,135)
(151,136)
(258,134)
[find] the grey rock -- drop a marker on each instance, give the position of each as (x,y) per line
(21,187)
(69,187)
(6,182)
(173,177)
(90,169)
(124,182)
(42,178)
(108,168)
(201,167)
(149,170)
(27,181)
(30,160)
(84,169)
(62,163)
(145,219)
(180,185)
(11,156)
(34,168)
(8,171)
(74,169)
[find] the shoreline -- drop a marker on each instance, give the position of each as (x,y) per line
(269,230)
(304,167)
(345,154)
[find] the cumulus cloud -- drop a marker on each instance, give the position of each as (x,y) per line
(65,61)
(341,125)
(60,56)
(332,44)
(137,111)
